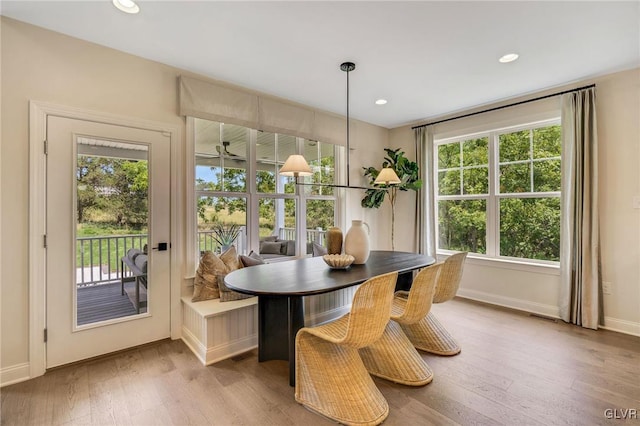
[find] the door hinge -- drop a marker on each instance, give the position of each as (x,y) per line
(46,147)
(44,240)
(45,335)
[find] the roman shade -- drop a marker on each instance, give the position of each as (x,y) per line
(218,102)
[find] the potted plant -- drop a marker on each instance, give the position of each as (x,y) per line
(225,235)
(407,171)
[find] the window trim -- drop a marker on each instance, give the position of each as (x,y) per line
(252,196)
(493,197)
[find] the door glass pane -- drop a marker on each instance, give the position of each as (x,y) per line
(112,211)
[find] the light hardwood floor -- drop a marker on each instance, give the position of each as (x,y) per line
(514,369)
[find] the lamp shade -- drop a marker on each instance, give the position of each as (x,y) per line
(295,166)
(387,176)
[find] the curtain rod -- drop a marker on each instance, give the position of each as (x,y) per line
(503,106)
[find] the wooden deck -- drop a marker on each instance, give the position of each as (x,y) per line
(104,302)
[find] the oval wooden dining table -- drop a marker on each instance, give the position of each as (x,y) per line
(281,286)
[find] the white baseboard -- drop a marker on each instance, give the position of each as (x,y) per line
(622,326)
(231,349)
(198,349)
(208,356)
(509,302)
(15,374)
(612,324)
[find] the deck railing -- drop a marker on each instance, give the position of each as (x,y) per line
(98,258)
(206,242)
(313,235)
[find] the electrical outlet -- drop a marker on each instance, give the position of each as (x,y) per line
(606,287)
(636,202)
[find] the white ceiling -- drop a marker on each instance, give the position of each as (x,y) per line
(426,58)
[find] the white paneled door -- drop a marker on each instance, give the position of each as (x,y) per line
(108,195)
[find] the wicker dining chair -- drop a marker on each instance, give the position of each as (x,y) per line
(393,356)
(330,376)
(428,334)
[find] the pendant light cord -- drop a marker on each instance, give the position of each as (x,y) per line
(348,152)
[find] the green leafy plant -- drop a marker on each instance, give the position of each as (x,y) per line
(407,171)
(225,235)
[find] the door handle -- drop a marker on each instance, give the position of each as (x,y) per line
(161,247)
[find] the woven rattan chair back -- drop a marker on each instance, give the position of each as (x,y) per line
(420,296)
(450,276)
(370,311)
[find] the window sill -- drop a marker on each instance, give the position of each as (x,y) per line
(539,268)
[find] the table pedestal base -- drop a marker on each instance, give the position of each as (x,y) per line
(279,342)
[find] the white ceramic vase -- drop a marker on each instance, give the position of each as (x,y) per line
(356,242)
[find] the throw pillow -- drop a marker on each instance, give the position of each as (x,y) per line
(230,259)
(141,262)
(252,259)
(291,248)
(319,250)
(268,247)
(226,294)
(205,285)
(132,253)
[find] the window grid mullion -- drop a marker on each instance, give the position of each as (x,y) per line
(493,208)
(531,160)
(461,162)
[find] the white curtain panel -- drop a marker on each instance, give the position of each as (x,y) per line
(425,199)
(580,300)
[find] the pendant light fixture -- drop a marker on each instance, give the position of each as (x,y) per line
(296,165)
(387,176)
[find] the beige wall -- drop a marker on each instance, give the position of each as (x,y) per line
(41,65)
(45,66)
(618,115)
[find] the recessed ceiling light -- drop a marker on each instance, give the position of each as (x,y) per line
(127,6)
(381,101)
(509,57)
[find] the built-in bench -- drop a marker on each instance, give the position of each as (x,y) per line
(216,330)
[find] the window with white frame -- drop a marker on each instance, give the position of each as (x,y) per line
(498,193)
(237,186)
